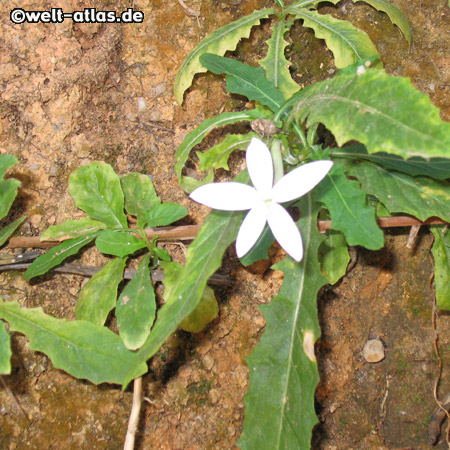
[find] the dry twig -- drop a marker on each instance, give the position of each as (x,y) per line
(133,423)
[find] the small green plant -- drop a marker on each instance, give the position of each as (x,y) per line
(85,347)
(383,128)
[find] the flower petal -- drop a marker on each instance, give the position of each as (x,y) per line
(251,229)
(285,231)
(229,196)
(260,166)
(300,181)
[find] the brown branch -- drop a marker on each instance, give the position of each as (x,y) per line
(189,232)
(88,271)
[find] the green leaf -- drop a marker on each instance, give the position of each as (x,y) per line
(80,348)
(362,65)
(6,161)
(204,257)
(140,195)
(96,190)
(218,42)
(349,210)
(8,192)
(197,135)
(118,243)
(135,309)
(260,249)
(394,14)
(419,196)
(438,168)
(275,65)
(7,231)
(165,214)
(206,310)
(5,349)
(333,256)
(348,43)
(382,112)
(217,157)
(279,404)
(441,255)
(98,296)
(246,80)
(72,229)
(308,3)
(57,255)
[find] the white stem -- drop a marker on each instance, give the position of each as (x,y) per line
(133,422)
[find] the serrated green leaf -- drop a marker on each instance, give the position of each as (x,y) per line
(347,43)
(437,168)
(441,255)
(72,229)
(333,256)
(275,65)
(245,80)
(349,211)
(8,192)
(308,3)
(140,194)
(421,197)
(118,243)
(5,348)
(96,190)
(80,348)
(394,14)
(98,296)
(7,231)
(197,135)
(383,112)
(218,42)
(203,258)
(6,161)
(165,214)
(136,307)
(217,157)
(57,255)
(279,403)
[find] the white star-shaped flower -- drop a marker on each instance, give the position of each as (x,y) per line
(263,200)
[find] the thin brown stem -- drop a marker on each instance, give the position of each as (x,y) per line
(189,232)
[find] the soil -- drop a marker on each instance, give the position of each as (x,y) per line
(76,93)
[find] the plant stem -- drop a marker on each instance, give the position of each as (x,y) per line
(134,415)
(277,160)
